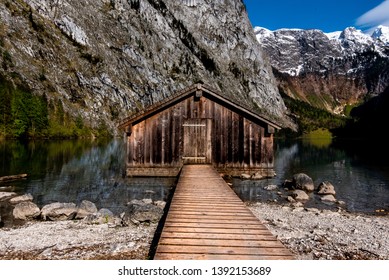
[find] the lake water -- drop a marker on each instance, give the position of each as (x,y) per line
(360,177)
(72,171)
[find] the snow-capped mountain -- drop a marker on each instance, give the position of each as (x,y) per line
(381,34)
(337,68)
(294,51)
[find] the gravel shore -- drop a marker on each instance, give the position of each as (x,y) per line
(313,234)
(308,232)
(75,240)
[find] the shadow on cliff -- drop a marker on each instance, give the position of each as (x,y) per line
(366,131)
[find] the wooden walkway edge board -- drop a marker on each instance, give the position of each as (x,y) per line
(208,221)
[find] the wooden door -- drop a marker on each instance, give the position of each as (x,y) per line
(197,141)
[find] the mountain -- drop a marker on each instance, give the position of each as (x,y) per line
(100,60)
(328,70)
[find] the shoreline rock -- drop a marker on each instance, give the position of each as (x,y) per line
(55,233)
(310,233)
(26,210)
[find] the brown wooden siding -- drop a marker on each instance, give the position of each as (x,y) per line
(236,141)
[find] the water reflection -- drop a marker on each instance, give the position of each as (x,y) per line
(363,186)
(72,171)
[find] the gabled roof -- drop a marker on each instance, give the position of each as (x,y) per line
(187,92)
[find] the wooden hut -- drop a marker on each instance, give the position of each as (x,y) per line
(198,125)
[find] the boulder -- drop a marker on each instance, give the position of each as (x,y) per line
(287,184)
(85,208)
(290,199)
(7,189)
(140,212)
(26,210)
(303,182)
(21,198)
(326,188)
(147,201)
(103,216)
(270,187)
(6,195)
(300,195)
(161,204)
(328,198)
(59,211)
(245,176)
(106,212)
(257,176)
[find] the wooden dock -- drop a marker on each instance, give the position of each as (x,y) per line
(208,221)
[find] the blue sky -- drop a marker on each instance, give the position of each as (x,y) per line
(328,15)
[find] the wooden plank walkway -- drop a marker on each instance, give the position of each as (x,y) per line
(207,220)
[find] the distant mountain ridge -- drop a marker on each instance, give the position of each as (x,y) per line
(328,70)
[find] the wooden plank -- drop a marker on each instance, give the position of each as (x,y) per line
(258,231)
(148,144)
(218,227)
(241,141)
(209,141)
(203,211)
(215,220)
(214,242)
(265,235)
(230,250)
(229,136)
(192,256)
(208,225)
(130,149)
(235,139)
(210,208)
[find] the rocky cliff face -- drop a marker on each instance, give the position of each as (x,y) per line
(328,70)
(106,58)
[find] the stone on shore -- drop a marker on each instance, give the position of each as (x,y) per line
(159,203)
(270,187)
(245,176)
(141,212)
(26,211)
(326,188)
(257,176)
(6,195)
(86,208)
(303,182)
(59,211)
(103,216)
(21,198)
(300,195)
(328,198)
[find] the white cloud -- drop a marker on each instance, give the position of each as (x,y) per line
(376,16)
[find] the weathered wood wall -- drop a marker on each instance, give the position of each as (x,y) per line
(228,139)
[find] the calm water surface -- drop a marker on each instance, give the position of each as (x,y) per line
(360,175)
(72,171)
